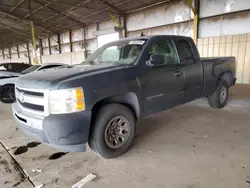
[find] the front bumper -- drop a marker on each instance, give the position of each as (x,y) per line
(67,132)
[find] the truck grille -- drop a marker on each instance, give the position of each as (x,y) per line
(33,101)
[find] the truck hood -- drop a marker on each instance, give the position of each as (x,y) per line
(52,78)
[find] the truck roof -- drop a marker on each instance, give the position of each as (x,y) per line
(155,36)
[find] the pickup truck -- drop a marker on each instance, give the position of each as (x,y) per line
(99,101)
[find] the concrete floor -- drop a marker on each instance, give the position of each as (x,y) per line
(191,146)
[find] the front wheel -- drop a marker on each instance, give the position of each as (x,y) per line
(219,98)
(113,131)
(7,94)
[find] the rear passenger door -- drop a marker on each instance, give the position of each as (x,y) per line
(192,69)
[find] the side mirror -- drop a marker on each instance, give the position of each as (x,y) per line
(156,60)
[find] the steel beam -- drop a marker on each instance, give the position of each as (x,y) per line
(41,46)
(13,8)
(49,43)
(110,5)
(70,41)
(62,13)
(3,53)
(17,49)
(10,52)
(37,10)
(28,51)
(59,43)
(195,10)
(15,17)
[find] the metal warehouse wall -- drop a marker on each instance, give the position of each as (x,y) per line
(224,27)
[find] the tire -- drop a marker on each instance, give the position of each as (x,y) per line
(219,98)
(108,117)
(7,94)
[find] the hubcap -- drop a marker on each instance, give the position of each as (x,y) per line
(117,132)
(223,94)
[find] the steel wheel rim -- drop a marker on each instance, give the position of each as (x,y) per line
(223,94)
(117,132)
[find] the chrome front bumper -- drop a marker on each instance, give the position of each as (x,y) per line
(27,119)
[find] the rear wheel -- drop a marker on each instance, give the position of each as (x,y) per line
(113,131)
(219,98)
(7,94)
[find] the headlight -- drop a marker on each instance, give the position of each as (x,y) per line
(66,101)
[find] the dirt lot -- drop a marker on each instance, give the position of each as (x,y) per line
(191,146)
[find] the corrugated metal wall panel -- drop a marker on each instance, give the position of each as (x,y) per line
(231,45)
(185,29)
(222,25)
(168,14)
(216,7)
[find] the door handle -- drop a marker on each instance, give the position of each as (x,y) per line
(178,73)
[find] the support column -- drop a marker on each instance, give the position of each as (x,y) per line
(35,60)
(41,46)
(70,41)
(125,32)
(85,30)
(3,53)
(10,52)
(28,51)
(49,46)
(17,49)
(195,9)
(59,43)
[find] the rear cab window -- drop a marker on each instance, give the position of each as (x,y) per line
(185,51)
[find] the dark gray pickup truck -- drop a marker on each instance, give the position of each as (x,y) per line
(98,102)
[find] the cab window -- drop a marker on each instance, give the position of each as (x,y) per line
(185,52)
(165,48)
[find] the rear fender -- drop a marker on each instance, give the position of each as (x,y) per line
(227,77)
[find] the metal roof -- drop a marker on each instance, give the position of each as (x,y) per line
(55,16)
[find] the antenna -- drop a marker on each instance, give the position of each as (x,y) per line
(142,34)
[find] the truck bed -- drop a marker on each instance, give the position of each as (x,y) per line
(213,66)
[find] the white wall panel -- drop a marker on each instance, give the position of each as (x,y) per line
(225,25)
(55,49)
(217,7)
(168,14)
(45,51)
(45,42)
(92,45)
(65,48)
(64,37)
(53,40)
(91,28)
(22,48)
(62,58)
(185,29)
(78,34)
(77,46)
(107,24)
(14,56)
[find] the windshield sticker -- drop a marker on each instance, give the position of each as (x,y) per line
(138,42)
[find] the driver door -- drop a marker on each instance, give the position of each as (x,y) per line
(162,85)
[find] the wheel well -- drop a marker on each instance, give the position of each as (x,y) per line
(6,85)
(227,77)
(128,99)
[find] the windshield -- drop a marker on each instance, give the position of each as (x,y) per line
(119,52)
(31,69)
